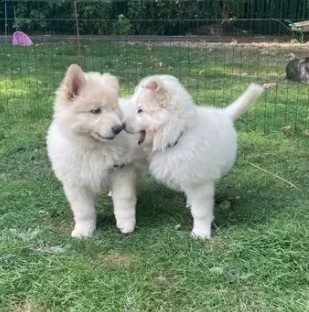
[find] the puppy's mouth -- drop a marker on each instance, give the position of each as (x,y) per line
(142,134)
(100,137)
(142,137)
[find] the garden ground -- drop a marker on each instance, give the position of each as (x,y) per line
(257,259)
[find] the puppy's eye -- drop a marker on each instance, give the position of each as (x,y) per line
(96,111)
(139,111)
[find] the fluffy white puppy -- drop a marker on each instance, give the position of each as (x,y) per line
(89,151)
(189,147)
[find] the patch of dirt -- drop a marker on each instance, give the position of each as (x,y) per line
(217,245)
(288,129)
(27,306)
(63,225)
(225,205)
(116,259)
(212,42)
(66,227)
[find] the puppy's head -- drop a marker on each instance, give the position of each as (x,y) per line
(160,103)
(87,104)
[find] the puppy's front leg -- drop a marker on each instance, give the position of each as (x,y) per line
(201,199)
(82,205)
(123,190)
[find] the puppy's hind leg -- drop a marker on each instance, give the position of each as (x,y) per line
(123,188)
(201,199)
(82,205)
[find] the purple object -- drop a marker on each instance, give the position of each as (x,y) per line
(20,38)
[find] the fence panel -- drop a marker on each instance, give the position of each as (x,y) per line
(214,47)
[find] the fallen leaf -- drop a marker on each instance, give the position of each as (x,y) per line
(269,85)
(288,129)
(177,227)
(164,277)
(225,205)
(116,259)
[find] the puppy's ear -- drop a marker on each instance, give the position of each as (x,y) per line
(155,84)
(112,81)
(74,81)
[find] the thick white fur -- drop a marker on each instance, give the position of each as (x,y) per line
(84,150)
(189,147)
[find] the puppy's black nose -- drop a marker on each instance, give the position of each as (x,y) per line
(117,129)
(124,126)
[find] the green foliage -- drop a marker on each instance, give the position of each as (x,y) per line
(122,26)
(164,17)
(157,17)
(94,16)
(58,16)
(38,17)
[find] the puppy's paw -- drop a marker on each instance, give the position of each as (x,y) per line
(126,226)
(83,230)
(201,234)
(188,206)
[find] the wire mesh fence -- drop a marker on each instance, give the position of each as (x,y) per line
(216,48)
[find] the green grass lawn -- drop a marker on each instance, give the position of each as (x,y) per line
(257,259)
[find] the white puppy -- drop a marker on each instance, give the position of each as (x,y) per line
(90,152)
(189,147)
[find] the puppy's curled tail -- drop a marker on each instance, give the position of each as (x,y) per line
(237,108)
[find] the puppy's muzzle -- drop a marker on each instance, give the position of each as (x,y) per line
(127,129)
(117,129)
